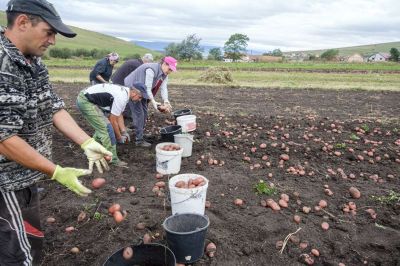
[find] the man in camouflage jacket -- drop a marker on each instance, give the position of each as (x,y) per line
(28,109)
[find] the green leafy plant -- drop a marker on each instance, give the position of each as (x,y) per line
(392,198)
(98,216)
(354,137)
(365,127)
(341,145)
(263,188)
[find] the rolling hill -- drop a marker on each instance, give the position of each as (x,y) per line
(362,49)
(89,40)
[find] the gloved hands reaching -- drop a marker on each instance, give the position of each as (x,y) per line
(155,104)
(69,178)
(95,154)
(168,105)
(123,140)
(126,135)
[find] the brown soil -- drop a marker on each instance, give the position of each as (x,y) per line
(239,119)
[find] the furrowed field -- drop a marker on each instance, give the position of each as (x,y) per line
(321,141)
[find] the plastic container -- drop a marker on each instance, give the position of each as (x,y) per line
(186,235)
(181,112)
(167,133)
(188,123)
(145,254)
(186,142)
(187,200)
(168,162)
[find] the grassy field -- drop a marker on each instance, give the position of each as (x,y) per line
(89,40)
(338,66)
(264,79)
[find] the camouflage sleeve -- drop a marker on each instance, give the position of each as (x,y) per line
(58,103)
(12,104)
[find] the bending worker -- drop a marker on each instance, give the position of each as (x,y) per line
(127,67)
(29,108)
(109,130)
(155,77)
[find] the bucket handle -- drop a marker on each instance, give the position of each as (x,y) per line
(166,162)
(192,196)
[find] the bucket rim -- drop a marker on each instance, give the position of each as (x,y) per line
(172,126)
(169,153)
(172,181)
(183,117)
(186,233)
(142,244)
(181,110)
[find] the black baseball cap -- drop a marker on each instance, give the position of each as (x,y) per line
(43,9)
(142,88)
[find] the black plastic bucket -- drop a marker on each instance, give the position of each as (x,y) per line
(167,133)
(186,235)
(182,112)
(144,255)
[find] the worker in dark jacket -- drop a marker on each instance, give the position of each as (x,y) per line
(102,71)
(130,65)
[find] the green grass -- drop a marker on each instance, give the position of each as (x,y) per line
(262,79)
(343,66)
(201,64)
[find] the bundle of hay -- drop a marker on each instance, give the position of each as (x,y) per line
(220,75)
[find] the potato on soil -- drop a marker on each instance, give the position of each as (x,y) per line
(113,208)
(127,253)
(98,182)
(354,192)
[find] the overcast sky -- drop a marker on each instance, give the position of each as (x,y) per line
(288,25)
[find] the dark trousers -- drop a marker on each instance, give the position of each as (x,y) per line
(21,237)
(139,116)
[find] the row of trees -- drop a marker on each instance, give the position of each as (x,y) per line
(190,49)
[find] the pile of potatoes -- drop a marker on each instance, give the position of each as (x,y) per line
(171,147)
(191,183)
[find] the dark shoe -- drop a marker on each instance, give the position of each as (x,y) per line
(149,138)
(143,143)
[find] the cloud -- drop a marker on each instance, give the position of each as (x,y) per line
(288,25)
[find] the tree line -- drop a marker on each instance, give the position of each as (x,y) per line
(190,49)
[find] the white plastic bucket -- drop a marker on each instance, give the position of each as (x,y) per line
(188,122)
(168,162)
(186,142)
(187,200)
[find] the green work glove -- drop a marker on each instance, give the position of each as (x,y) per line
(95,154)
(69,178)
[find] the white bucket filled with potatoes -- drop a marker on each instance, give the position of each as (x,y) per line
(168,158)
(188,193)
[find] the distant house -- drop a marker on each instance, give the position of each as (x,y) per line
(245,59)
(228,60)
(264,58)
(379,57)
(355,58)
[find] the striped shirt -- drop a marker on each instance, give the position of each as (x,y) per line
(27,105)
